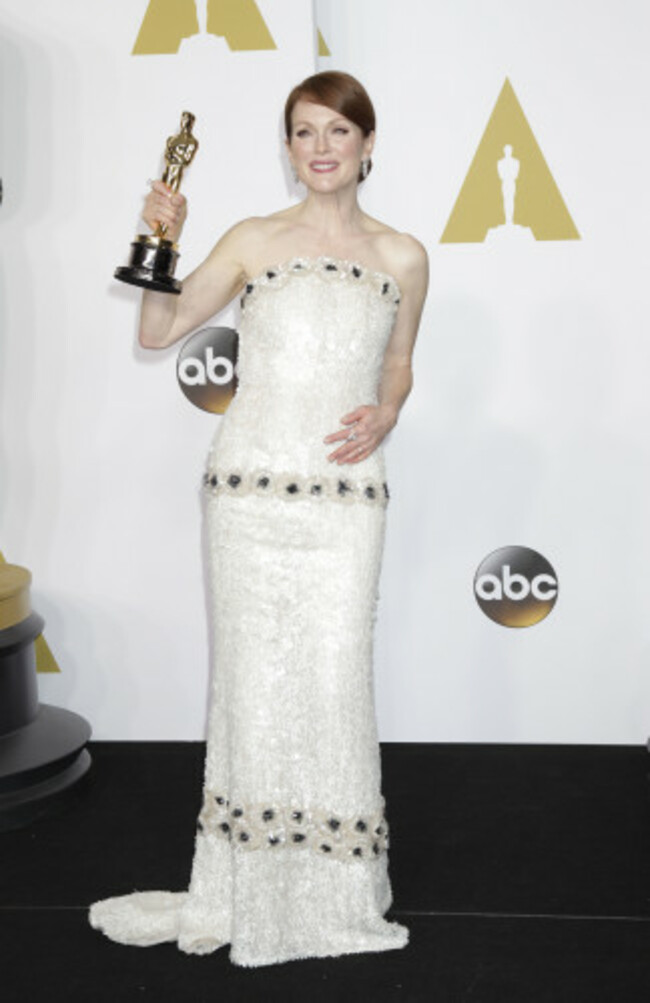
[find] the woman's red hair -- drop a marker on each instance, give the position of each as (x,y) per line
(336,90)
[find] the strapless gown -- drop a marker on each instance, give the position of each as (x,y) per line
(291,845)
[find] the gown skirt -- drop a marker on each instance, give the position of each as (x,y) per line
(291,844)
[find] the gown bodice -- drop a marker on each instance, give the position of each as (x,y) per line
(312,339)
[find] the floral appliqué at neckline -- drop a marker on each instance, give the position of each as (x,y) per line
(328,268)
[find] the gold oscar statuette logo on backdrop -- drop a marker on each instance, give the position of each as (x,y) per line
(153,257)
(45,660)
(509,194)
(171,25)
(167,23)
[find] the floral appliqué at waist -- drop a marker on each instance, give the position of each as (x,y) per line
(294,487)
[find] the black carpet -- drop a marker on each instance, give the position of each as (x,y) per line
(522,872)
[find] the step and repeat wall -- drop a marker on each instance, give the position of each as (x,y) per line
(511,141)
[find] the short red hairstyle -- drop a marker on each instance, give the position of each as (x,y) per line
(336,90)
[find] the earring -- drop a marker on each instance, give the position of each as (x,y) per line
(365,167)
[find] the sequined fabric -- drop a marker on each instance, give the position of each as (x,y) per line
(291,849)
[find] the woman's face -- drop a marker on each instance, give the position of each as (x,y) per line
(326,148)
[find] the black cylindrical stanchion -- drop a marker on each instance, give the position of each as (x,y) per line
(42,748)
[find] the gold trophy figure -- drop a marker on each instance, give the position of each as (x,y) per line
(153,257)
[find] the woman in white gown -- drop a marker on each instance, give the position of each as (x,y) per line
(291,848)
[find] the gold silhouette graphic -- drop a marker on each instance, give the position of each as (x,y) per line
(45,660)
(323,48)
(167,22)
(509,190)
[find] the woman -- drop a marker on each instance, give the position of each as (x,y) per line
(290,856)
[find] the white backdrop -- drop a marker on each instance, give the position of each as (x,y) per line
(527,422)
(101,455)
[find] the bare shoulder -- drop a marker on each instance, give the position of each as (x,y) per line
(247,235)
(243,231)
(403,251)
(237,245)
(263,225)
(406,258)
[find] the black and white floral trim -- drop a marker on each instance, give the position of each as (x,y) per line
(330,270)
(269,825)
(293,487)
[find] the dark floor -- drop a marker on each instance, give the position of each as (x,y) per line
(522,872)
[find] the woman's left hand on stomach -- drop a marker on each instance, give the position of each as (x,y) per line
(369,424)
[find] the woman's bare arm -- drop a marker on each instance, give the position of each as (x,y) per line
(371,423)
(164,318)
(397,373)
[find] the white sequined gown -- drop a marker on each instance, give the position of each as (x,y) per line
(291,846)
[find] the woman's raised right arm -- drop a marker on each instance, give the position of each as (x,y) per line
(165,318)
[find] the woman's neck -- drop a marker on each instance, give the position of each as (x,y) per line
(334,215)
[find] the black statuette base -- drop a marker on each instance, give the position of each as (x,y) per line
(18,682)
(151,265)
(41,766)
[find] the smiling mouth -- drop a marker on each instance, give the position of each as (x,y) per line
(323,166)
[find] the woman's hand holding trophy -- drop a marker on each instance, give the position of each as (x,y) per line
(153,256)
(165,208)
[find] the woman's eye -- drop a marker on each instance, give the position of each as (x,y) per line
(301,133)
(341,128)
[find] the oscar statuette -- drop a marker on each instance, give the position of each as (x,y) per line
(153,257)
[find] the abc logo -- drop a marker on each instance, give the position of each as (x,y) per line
(206,368)
(515,586)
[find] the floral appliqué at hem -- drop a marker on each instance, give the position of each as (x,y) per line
(266,826)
